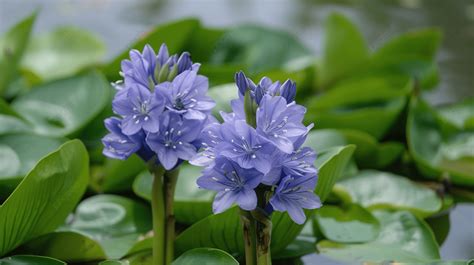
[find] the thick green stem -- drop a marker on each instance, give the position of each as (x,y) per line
(263,229)
(158,211)
(248,230)
(170,179)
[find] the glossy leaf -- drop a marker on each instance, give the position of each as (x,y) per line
(12,48)
(369,104)
(223,230)
(113,221)
(45,197)
(208,256)
(447,151)
(62,52)
(459,114)
(349,224)
(403,238)
(223,94)
(376,189)
(256,47)
(62,107)
(174,34)
(344,49)
(30,260)
(80,247)
(18,155)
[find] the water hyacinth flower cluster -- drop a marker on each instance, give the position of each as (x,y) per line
(162,104)
(259,149)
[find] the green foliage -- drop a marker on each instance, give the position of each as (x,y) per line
(367,106)
(12,48)
(403,238)
(45,197)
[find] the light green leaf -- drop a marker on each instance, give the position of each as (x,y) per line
(30,260)
(63,107)
(208,256)
(376,189)
(115,222)
(45,196)
(459,114)
(18,155)
(224,230)
(223,94)
(344,49)
(258,48)
(175,35)
(63,52)
(12,47)
(403,238)
(439,148)
(349,224)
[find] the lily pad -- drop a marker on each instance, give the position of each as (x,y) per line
(376,189)
(63,107)
(349,224)
(402,238)
(30,260)
(439,148)
(208,256)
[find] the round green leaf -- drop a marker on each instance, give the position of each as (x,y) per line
(439,148)
(376,189)
(63,107)
(62,52)
(42,201)
(208,256)
(30,260)
(350,224)
(403,238)
(113,221)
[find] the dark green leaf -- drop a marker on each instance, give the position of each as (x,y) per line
(349,224)
(63,52)
(258,48)
(208,256)
(66,245)
(63,107)
(376,189)
(12,47)
(344,49)
(30,260)
(45,197)
(403,238)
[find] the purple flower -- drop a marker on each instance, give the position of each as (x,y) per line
(294,194)
(116,144)
(210,137)
(265,87)
(148,69)
(175,139)
(242,144)
(233,183)
(139,108)
(280,123)
(186,95)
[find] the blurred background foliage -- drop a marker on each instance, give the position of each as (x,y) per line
(388,85)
